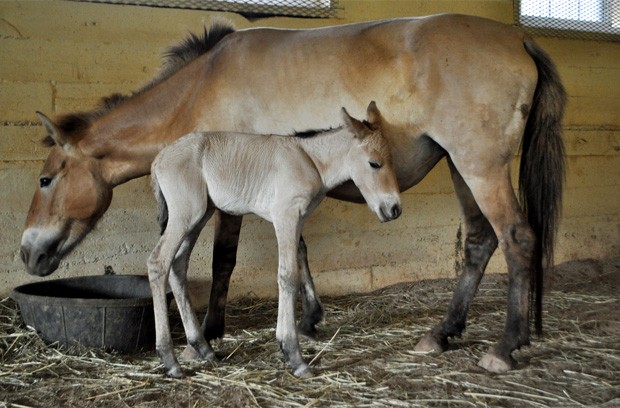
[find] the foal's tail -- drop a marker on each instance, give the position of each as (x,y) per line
(162,206)
(541,175)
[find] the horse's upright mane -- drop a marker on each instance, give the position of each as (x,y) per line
(175,58)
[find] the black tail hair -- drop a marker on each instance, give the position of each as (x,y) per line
(542,170)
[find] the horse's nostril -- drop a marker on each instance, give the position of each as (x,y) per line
(23,254)
(41,258)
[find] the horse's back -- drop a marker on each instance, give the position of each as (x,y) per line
(408,66)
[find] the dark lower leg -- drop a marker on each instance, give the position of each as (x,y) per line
(480,243)
(312,309)
(518,246)
(225,244)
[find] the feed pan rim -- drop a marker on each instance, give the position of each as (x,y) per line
(20,293)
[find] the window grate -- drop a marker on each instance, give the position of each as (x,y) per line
(582,19)
(297,8)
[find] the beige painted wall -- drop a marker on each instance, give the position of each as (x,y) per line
(61,56)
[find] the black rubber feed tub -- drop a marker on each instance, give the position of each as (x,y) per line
(113,312)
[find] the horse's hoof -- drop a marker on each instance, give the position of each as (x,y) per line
(428,344)
(495,363)
(309,331)
(175,372)
(303,371)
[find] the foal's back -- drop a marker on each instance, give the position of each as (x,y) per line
(241,173)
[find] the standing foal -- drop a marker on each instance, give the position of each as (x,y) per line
(281,179)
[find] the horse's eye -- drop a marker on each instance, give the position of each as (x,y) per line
(45,181)
(374,165)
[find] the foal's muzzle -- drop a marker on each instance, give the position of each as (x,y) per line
(391,213)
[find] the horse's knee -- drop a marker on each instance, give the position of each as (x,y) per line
(519,238)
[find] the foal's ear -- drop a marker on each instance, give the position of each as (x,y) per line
(375,119)
(54,132)
(359,129)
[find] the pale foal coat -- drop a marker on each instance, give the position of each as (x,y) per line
(281,179)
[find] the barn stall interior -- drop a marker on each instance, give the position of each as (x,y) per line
(365,349)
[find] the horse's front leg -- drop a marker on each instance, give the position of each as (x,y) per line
(312,308)
(480,243)
(287,234)
(226,240)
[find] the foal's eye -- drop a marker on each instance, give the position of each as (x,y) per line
(374,165)
(45,181)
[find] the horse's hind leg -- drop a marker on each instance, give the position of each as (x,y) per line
(312,308)
(480,243)
(497,201)
(225,243)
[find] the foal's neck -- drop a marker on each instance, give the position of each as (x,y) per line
(328,151)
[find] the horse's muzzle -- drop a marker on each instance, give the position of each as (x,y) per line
(38,262)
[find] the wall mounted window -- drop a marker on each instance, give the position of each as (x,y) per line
(586,19)
(250,8)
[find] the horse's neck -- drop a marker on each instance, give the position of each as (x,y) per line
(128,138)
(328,152)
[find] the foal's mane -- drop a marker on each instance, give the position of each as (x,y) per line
(174,58)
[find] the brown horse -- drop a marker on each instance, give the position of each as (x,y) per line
(461,87)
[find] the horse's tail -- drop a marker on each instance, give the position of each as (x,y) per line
(541,175)
(162,206)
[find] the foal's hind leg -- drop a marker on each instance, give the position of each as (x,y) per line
(197,346)
(480,243)
(312,308)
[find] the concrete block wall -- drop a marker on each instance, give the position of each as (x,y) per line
(62,56)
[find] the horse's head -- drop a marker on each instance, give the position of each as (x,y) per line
(370,164)
(70,198)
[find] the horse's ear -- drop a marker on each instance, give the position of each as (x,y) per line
(358,128)
(374,116)
(54,132)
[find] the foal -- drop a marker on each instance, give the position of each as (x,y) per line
(281,179)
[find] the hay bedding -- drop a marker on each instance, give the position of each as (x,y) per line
(364,355)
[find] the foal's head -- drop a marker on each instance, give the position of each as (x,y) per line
(70,198)
(370,164)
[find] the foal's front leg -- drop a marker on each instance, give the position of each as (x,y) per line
(288,233)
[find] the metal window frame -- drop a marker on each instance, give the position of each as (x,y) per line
(294,9)
(557,27)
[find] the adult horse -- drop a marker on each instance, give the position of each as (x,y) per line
(461,87)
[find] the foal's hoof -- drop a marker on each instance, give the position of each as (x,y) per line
(175,372)
(303,371)
(189,354)
(428,344)
(497,364)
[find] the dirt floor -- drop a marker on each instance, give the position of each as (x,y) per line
(364,355)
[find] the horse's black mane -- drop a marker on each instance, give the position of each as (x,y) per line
(305,134)
(175,58)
